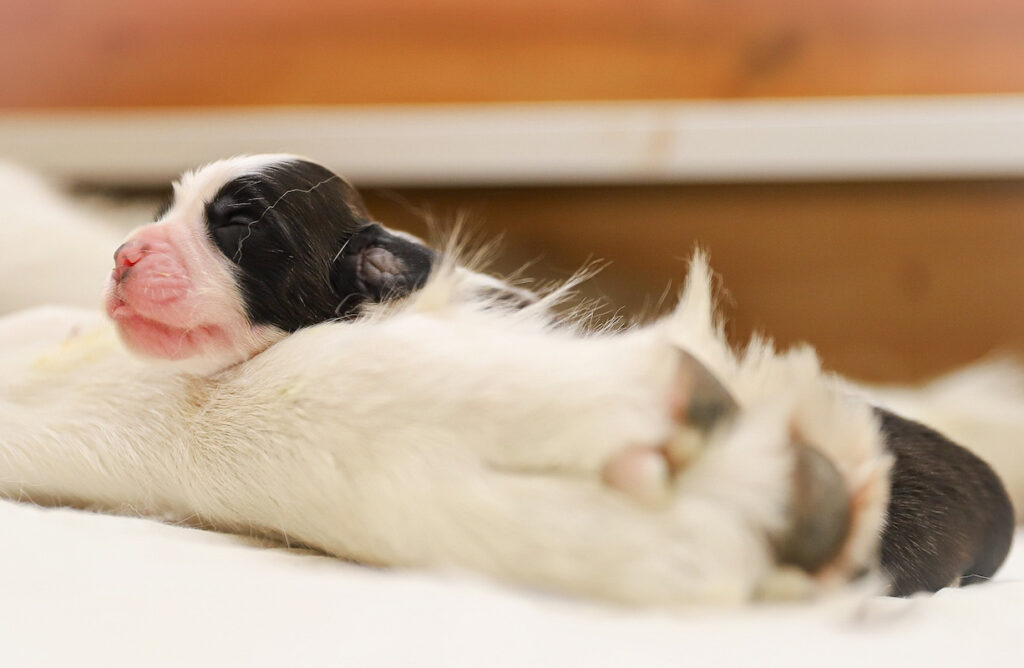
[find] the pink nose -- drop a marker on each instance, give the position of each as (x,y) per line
(128,255)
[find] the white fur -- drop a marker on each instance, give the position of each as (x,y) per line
(436,434)
(433,434)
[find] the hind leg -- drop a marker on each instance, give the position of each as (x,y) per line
(575,535)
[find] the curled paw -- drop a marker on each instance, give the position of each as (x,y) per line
(815,498)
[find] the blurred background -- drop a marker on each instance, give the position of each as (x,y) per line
(854,167)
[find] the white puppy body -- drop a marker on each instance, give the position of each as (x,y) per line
(438,434)
(441,434)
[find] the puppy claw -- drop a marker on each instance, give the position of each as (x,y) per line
(820,513)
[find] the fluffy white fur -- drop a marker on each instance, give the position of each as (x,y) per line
(437,434)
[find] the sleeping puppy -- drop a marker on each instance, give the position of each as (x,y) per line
(436,432)
(252,248)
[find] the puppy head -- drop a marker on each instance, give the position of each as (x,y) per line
(250,249)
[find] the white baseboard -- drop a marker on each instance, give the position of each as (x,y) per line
(631,142)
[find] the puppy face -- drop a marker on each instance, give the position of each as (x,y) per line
(248,250)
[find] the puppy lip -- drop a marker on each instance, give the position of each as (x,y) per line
(120,310)
(148,292)
(153,338)
(116,307)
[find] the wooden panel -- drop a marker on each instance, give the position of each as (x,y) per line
(889,281)
(100,53)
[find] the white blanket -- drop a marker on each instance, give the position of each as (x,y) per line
(82,589)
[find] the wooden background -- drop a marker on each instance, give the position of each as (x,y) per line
(891,281)
(110,53)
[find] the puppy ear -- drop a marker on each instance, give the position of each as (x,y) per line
(376,265)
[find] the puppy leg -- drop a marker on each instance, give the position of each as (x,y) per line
(834,504)
(731,522)
(575,535)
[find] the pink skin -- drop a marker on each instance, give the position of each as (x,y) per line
(172,297)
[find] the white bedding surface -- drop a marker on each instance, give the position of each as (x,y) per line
(81,589)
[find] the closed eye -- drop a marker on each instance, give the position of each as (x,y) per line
(236,221)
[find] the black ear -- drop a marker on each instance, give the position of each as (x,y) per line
(949,519)
(376,265)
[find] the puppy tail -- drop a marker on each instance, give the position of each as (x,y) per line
(981,407)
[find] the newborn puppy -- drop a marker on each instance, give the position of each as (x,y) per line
(443,435)
(248,250)
(253,248)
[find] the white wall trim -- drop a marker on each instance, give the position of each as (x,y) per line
(632,142)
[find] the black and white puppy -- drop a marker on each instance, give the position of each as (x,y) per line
(253,248)
(250,249)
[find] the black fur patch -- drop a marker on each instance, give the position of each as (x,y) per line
(949,521)
(306,248)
